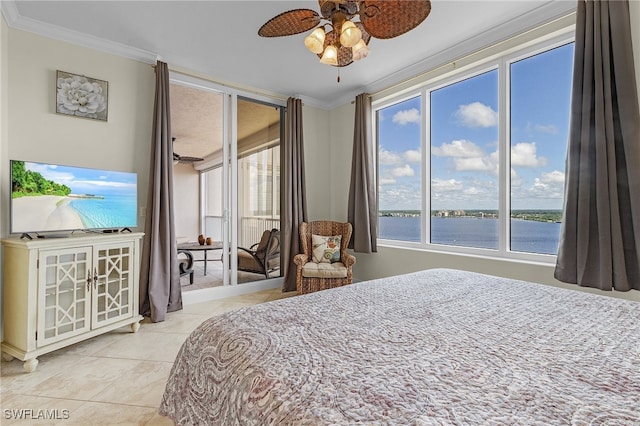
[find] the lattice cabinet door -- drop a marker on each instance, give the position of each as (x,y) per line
(63,294)
(113,283)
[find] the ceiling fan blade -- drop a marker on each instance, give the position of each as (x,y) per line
(290,22)
(388,19)
(184,159)
(345,54)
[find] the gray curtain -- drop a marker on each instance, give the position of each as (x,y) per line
(600,237)
(160,290)
(295,204)
(362,211)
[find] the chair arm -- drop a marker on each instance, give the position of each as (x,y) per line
(300,259)
(185,268)
(348,259)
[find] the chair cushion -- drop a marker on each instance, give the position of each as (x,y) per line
(326,249)
(246,261)
(324,270)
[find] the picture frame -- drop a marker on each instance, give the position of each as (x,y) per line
(81,96)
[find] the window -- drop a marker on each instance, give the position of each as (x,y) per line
(464,162)
(260,179)
(399,159)
(475,162)
(540,93)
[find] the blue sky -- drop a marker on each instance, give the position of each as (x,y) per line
(87,181)
(464,140)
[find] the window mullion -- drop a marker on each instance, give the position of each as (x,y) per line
(425,140)
(504,170)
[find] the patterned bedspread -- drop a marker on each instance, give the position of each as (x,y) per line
(437,347)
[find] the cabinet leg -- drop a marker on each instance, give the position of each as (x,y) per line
(7,357)
(135,327)
(30,365)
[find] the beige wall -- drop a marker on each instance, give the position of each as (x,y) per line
(318,162)
(186,202)
(36,133)
(392,261)
(31,130)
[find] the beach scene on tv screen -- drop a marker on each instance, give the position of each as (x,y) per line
(47,197)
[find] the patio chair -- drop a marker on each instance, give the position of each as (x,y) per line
(185,263)
(262,257)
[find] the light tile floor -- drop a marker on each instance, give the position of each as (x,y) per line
(115,378)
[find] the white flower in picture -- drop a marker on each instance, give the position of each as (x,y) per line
(81,96)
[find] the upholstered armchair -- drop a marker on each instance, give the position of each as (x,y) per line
(324,262)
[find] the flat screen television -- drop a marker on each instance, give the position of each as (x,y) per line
(52,197)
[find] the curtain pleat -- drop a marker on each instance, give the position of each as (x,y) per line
(362,210)
(160,290)
(600,236)
(295,205)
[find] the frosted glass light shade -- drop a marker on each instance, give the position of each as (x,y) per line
(350,34)
(330,56)
(360,50)
(315,41)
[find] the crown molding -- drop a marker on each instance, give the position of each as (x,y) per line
(548,12)
(17,21)
(545,13)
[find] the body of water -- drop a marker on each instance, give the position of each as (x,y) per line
(112,211)
(526,235)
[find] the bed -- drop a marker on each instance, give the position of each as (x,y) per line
(436,347)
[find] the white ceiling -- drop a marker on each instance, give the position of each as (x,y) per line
(219,39)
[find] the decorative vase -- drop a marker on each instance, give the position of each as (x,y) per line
(201,239)
(209,241)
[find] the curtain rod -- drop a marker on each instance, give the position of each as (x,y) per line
(466,56)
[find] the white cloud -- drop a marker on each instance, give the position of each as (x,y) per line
(403,171)
(386,181)
(524,155)
(548,186)
(555,176)
(406,116)
(546,128)
(413,156)
(472,191)
(399,197)
(388,157)
(459,148)
(446,185)
(486,163)
(477,114)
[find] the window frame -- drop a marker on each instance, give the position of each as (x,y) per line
(500,61)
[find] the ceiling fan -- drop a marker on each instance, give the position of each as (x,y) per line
(183,159)
(338,40)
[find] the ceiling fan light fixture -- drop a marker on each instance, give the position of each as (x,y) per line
(330,56)
(360,50)
(341,32)
(350,34)
(315,41)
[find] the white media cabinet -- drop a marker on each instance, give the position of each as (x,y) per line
(60,291)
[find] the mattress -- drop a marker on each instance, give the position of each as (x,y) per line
(436,347)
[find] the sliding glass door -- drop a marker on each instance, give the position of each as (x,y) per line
(226,184)
(258,208)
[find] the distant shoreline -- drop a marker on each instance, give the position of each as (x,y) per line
(44,213)
(551,216)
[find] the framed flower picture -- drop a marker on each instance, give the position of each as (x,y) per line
(81,96)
